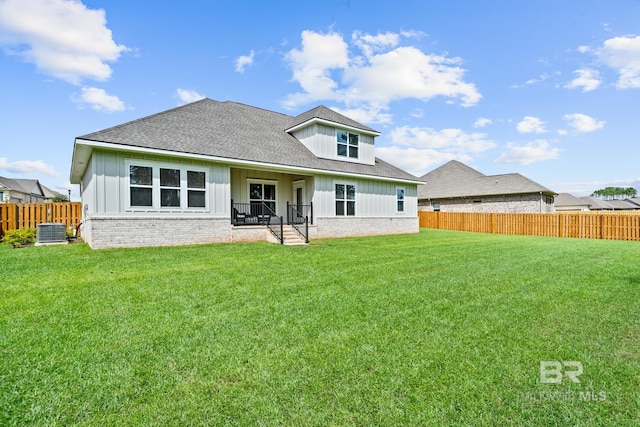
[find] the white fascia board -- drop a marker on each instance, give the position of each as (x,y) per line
(332,124)
(236,162)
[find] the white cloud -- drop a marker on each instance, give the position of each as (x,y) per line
(369,115)
(312,67)
(587,79)
(325,69)
(531,125)
(63,38)
(370,44)
(482,122)
(449,139)
(187,96)
(416,148)
(417,161)
(244,61)
(581,123)
(28,167)
(623,55)
(540,79)
(99,100)
(417,113)
(531,152)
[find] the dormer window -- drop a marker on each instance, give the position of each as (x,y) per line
(347,144)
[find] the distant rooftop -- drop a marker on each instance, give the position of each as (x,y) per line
(455,179)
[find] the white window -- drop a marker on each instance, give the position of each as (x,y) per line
(162,186)
(400,199)
(345,200)
(196,189)
(140,186)
(347,144)
(262,191)
(169,188)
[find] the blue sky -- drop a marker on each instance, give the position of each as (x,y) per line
(548,89)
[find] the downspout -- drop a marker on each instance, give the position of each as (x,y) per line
(541,202)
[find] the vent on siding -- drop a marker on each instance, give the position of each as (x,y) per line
(49,232)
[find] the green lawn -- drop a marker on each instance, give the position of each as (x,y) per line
(437,328)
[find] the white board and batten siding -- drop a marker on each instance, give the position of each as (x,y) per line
(321,141)
(373,198)
(105,185)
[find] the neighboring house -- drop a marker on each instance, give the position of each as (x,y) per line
(568,202)
(635,201)
(455,187)
(24,191)
(223,172)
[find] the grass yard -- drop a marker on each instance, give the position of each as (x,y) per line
(438,328)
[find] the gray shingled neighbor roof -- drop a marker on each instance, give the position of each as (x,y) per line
(238,132)
(593,203)
(566,199)
(22,185)
(455,179)
(27,186)
(625,204)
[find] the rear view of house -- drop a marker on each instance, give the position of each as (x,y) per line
(224,172)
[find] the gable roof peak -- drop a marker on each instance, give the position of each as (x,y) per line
(453,167)
(323,113)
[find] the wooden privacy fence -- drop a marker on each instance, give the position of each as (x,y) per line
(14,216)
(586,225)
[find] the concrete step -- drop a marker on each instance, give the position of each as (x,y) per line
(291,236)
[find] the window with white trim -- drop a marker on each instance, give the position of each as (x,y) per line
(196,189)
(262,191)
(400,199)
(162,186)
(140,186)
(345,200)
(347,144)
(169,188)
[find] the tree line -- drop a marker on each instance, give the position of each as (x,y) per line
(612,193)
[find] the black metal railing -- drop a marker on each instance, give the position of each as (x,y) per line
(298,220)
(258,213)
(296,214)
(254,213)
(275,224)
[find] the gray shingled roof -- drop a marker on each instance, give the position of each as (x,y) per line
(455,179)
(566,199)
(324,113)
(22,185)
(621,204)
(635,201)
(237,132)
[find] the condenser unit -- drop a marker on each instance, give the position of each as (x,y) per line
(50,232)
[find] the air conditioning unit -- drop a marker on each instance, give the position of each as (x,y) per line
(50,232)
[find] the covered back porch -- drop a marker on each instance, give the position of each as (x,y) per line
(271,199)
